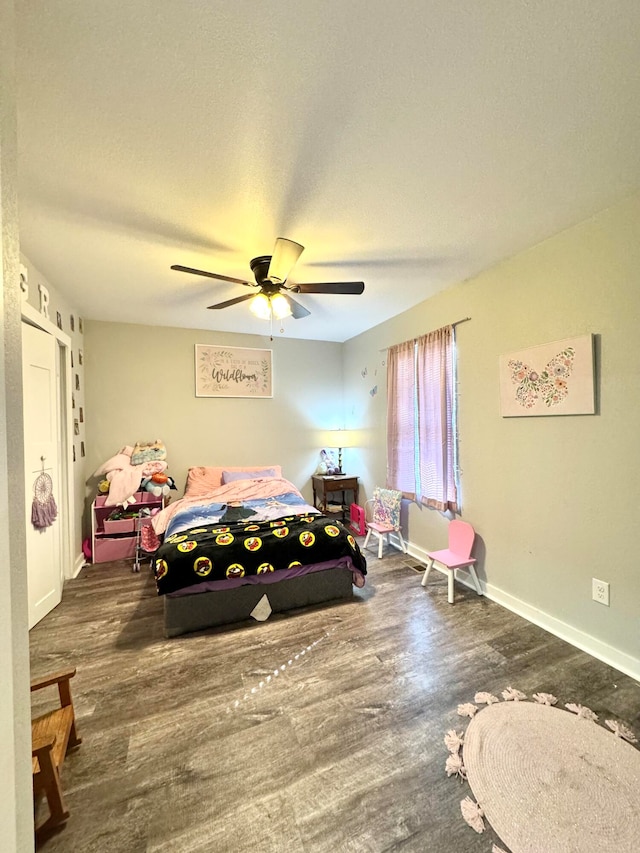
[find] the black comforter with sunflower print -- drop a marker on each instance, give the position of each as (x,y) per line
(238,549)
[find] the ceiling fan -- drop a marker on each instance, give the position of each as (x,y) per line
(271,273)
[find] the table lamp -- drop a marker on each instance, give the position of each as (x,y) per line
(341,438)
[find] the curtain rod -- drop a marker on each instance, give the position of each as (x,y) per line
(457,323)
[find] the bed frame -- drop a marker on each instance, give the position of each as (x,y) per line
(198,611)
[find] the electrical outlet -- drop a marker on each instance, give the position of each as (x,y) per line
(600,591)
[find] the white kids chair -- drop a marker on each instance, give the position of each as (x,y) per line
(383,511)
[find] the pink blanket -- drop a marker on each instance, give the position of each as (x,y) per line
(236,492)
(124,478)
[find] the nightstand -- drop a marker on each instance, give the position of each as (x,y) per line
(334,484)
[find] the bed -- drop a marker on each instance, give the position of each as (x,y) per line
(244,543)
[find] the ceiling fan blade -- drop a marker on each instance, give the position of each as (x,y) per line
(285,254)
(297,311)
(233,301)
(353,288)
(211,275)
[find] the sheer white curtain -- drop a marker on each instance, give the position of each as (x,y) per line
(401,418)
(436,419)
(421,429)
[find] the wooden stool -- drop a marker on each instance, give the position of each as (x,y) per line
(52,735)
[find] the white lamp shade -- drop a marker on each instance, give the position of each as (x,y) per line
(285,255)
(280,306)
(260,306)
(340,438)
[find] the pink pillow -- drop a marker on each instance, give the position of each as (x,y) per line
(204,479)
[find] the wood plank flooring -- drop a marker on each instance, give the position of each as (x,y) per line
(314,732)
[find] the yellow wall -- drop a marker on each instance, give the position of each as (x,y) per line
(554,500)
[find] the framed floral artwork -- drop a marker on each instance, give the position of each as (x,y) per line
(550,379)
(223,371)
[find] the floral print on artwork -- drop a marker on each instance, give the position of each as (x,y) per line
(550,385)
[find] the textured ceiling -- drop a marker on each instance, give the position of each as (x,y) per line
(407,145)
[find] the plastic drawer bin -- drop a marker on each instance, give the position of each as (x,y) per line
(120,525)
(107,549)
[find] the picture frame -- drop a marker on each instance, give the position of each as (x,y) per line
(222,371)
(557,378)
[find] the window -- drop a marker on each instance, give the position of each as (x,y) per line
(421,419)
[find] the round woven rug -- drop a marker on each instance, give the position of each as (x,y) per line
(551,782)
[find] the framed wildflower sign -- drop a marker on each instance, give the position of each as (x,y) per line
(233,372)
(550,379)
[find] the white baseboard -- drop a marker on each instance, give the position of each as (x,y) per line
(413,550)
(77,566)
(580,639)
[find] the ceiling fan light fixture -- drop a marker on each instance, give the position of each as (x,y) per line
(271,272)
(265,306)
(261,306)
(280,306)
(285,254)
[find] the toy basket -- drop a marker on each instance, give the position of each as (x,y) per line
(356,519)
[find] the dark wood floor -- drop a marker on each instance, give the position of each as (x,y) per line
(194,744)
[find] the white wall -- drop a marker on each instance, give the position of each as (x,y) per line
(140,385)
(553,499)
(71,324)
(16,818)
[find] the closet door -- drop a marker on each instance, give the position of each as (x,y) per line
(41,448)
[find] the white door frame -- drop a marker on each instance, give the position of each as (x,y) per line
(65,433)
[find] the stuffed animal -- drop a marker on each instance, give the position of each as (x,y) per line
(327,464)
(148,451)
(158,485)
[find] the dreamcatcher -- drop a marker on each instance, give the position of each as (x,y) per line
(43,508)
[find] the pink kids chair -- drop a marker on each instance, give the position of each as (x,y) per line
(456,556)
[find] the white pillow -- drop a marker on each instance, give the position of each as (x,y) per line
(232,476)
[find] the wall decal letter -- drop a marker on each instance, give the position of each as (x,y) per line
(24,282)
(44,301)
